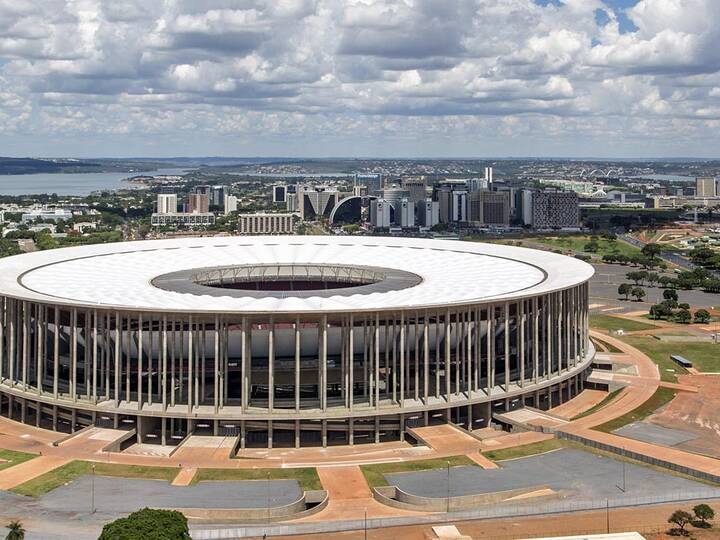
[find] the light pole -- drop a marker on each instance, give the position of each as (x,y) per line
(448,487)
(365,526)
(92,490)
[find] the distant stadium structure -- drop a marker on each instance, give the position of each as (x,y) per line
(288,340)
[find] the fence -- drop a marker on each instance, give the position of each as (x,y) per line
(557,507)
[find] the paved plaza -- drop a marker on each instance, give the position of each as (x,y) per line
(574,473)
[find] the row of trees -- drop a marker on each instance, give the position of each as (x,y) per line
(670,308)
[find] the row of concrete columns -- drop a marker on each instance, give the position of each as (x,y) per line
(530,340)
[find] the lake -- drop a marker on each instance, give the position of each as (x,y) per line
(72,183)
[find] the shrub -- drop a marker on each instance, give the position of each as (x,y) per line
(680,518)
(148,524)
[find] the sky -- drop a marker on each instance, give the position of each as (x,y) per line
(360,78)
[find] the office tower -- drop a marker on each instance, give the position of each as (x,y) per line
(279,192)
(488,175)
(217,195)
(198,203)
(291,202)
(167,203)
(705,186)
(316,201)
(415,187)
(490,207)
(555,210)
(230,204)
(428,213)
(406,213)
(380,214)
(263,223)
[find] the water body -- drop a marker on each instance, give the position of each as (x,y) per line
(72,183)
(292,175)
(666,177)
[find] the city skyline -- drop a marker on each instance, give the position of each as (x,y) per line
(590,78)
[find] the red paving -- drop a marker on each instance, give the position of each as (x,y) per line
(584,401)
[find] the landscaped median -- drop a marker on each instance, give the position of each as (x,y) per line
(525,450)
(306,477)
(610,323)
(10,458)
(75,469)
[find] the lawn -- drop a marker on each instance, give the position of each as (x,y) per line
(307,477)
(10,458)
(75,469)
(524,450)
(658,399)
(577,243)
(610,323)
(607,399)
(705,356)
(374,474)
(608,346)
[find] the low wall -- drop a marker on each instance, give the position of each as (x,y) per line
(294,510)
(117,444)
(397,498)
(639,457)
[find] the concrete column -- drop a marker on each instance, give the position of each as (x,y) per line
(402,359)
(244,372)
(351,366)
(117,358)
(297,433)
(297,364)
(490,346)
(323,362)
(376,379)
(163,375)
(216,372)
(271,366)
(426,358)
(191,361)
(507,346)
(140,362)
(448,352)
(94,356)
(73,357)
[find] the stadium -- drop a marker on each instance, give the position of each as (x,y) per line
(288,341)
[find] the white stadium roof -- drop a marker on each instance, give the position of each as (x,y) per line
(451,273)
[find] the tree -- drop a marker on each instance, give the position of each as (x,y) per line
(680,518)
(683,316)
(16,531)
(702,316)
(684,305)
(638,293)
(652,278)
(651,250)
(625,289)
(638,277)
(148,523)
(704,513)
(670,294)
(591,247)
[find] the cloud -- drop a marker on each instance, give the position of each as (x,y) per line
(315,75)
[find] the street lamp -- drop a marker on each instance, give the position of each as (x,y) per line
(92,490)
(448,486)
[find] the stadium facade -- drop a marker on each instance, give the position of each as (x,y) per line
(288,340)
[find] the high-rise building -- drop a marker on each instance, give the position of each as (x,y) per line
(374,182)
(488,175)
(317,201)
(217,195)
(405,213)
(555,210)
(705,186)
(202,189)
(279,192)
(380,214)
(167,203)
(291,202)
(428,213)
(198,203)
(490,207)
(416,188)
(230,204)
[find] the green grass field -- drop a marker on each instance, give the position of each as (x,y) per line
(576,243)
(75,469)
(374,474)
(10,458)
(307,477)
(704,356)
(658,399)
(610,323)
(524,450)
